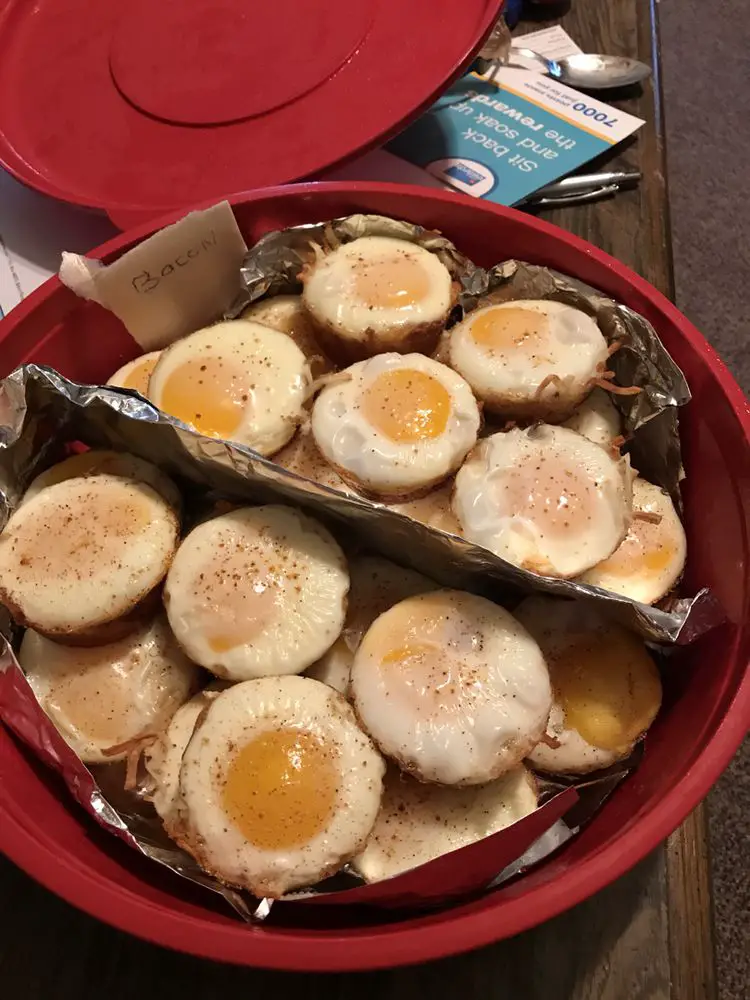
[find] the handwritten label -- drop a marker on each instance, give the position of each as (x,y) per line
(177,281)
(148,281)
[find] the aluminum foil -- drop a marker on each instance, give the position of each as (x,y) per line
(128,814)
(564,806)
(40,403)
(272,265)
(45,413)
(642,360)
(651,423)
(100,789)
(41,411)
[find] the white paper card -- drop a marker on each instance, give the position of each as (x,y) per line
(177,281)
(552,43)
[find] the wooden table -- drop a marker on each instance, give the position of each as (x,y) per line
(665,947)
(646,936)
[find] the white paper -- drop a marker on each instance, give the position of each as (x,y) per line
(178,280)
(552,43)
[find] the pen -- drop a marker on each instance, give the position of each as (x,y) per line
(585,182)
(582,188)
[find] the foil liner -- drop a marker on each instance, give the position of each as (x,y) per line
(99,790)
(40,404)
(40,410)
(487,864)
(50,412)
(130,822)
(650,419)
(272,266)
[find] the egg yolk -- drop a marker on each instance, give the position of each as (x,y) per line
(644,548)
(280,789)
(138,376)
(407,405)
(557,496)
(211,394)
(510,329)
(397,282)
(608,686)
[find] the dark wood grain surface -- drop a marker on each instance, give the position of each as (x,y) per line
(634,225)
(646,936)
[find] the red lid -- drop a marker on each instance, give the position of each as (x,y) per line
(144,106)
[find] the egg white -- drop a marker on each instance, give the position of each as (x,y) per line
(287,314)
(559,627)
(650,559)
(597,418)
(545,499)
(103,696)
(258,376)
(257,591)
(543,364)
(376,462)
(302,457)
(353,326)
(113,463)
(452,687)
(84,552)
(418,822)
(241,714)
(163,758)
(136,373)
(376,585)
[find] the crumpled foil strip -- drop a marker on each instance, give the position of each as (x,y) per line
(39,402)
(273,265)
(100,790)
(50,412)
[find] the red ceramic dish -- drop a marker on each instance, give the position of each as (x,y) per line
(135,108)
(705,716)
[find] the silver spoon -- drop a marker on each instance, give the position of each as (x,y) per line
(589,72)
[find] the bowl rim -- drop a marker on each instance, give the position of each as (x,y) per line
(448,931)
(120,208)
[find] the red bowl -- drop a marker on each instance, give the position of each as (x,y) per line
(705,717)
